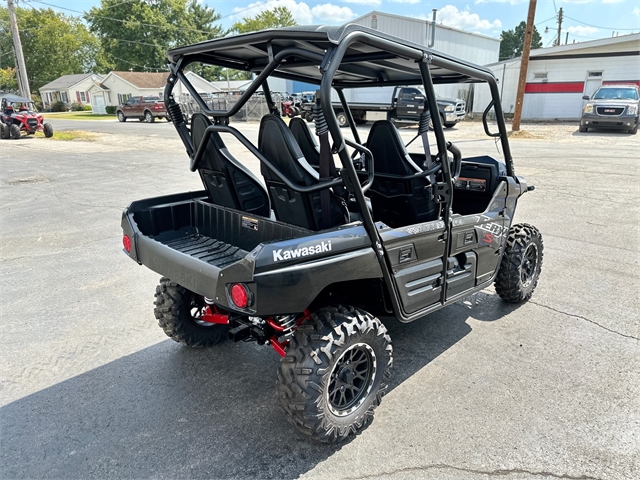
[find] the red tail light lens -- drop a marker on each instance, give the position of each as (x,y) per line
(156,107)
(126,242)
(239,295)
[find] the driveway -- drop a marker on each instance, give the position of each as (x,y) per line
(91,387)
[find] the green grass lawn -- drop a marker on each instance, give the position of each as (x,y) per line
(69,135)
(77,116)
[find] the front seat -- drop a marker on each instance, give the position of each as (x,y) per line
(278,145)
(229,183)
(396,199)
(305,139)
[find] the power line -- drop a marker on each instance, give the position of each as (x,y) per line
(603,28)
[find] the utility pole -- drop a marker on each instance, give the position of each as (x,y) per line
(22,69)
(566,40)
(524,66)
(559,38)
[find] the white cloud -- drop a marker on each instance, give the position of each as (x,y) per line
(465,20)
(300,11)
(373,3)
(303,14)
(511,2)
(333,13)
(581,31)
(636,11)
(612,1)
(412,2)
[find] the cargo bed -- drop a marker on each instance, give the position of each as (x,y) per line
(192,241)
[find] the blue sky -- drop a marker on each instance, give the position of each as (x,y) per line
(584,19)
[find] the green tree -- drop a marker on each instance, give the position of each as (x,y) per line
(137,34)
(8,81)
(54,44)
(278,17)
(513,41)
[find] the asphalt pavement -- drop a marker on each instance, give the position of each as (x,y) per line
(91,388)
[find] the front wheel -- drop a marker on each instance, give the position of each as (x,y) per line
(449,125)
(4,131)
(48,130)
(14,131)
(634,130)
(179,313)
(121,117)
(335,373)
(582,129)
(521,264)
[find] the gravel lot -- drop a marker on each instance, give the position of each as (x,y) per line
(91,388)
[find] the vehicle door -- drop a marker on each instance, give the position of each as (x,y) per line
(591,84)
(409,103)
(416,258)
(136,106)
(126,107)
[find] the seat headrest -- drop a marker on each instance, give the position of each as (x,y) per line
(211,159)
(279,146)
(389,152)
(306,140)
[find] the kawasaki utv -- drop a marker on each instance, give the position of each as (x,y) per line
(307,258)
(19,114)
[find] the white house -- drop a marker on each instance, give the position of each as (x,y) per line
(68,89)
(116,87)
(558,77)
(200,84)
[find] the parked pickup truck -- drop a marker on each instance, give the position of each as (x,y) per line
(398,104)
(145,109)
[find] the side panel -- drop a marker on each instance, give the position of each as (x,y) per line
(416,258)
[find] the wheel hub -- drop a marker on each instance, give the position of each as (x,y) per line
(351,379)
(529,265)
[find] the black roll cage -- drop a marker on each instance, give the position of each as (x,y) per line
(333,60)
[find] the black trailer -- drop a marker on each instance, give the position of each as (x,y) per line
(306,259)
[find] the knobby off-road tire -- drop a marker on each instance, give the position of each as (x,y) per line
(14,132)
(521,264)
(176,310)
(314,376)
(48,130)
(4,131)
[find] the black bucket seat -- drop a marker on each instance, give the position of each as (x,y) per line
(397,200)
(229,183)
(279,146)
(306,140)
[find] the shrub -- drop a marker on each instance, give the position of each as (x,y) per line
(88,107)
(77,107)
(59,107)
(111,109)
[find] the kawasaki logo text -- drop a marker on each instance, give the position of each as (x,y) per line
(279,255)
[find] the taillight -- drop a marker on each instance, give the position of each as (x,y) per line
(239,295)
(126,242)
(156,107)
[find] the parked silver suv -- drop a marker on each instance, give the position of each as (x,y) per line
(612,106)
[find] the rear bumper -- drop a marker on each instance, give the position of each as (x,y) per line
(613,121)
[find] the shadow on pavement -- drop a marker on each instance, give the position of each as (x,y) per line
(170,411)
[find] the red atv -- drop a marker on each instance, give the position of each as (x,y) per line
(19,115)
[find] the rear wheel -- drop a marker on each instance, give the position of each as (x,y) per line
(48,130)
(335,373)
(521,264)
(179,310)
(342,119)
(121,117)
(14,132)
(148,117)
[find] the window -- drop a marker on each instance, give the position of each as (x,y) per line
(612,93)
(594,74)
(540,76)
(64,97)
(374,22)
(83,97)
(123,97)
(152,98)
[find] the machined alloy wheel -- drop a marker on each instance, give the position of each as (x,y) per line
(335,372)
(121,117)
(148,116)
(342,119)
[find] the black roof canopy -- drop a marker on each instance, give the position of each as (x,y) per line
(374,59)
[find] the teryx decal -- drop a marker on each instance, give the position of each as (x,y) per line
(282,254)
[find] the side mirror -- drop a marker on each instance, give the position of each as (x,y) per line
(585,97)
